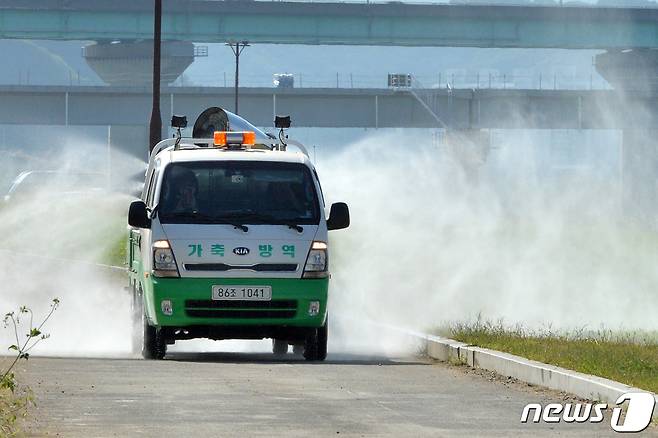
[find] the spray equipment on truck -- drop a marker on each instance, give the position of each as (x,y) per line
(216,127)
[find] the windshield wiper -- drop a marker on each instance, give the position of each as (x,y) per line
(267,219)
(231,221)
(294,226)
(242,227)
(188,215)
(207,219)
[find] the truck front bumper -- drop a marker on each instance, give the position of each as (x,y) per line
(190,304)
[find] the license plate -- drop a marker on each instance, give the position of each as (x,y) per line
(247,293)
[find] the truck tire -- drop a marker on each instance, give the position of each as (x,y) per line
(137,319)
(279,347)
(315,347)
(322,341)
(154,346)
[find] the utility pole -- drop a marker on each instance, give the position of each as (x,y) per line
(237,48)
(155,127)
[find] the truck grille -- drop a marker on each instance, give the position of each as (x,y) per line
(261,267)
(241,309)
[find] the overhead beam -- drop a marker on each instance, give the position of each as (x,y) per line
(334,23)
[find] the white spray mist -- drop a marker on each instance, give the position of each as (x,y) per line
(427,246)
(52,244)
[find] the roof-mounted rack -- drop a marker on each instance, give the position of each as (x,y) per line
(188,143)
(229,132)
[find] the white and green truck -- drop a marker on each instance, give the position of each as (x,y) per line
(229,240)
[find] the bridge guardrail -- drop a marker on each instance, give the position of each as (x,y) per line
(345,80)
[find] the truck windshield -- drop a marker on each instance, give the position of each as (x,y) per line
(253,192)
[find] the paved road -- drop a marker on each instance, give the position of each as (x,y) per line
(250,394)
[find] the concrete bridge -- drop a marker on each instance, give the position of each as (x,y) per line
(120,28)
(397,24)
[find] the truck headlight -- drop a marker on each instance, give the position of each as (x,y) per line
(164,263)
(316,262)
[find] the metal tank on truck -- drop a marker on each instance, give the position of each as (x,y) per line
(229,240)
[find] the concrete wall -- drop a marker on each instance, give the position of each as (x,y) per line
(368,108)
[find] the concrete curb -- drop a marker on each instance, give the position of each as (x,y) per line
(529,371)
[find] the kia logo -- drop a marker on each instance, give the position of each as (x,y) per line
(241,250)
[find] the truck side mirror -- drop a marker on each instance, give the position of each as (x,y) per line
(339,216)
(138,216)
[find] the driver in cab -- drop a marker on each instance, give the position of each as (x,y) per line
(181,193)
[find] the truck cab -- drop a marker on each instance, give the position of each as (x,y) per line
(229,240)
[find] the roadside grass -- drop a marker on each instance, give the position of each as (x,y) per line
(16,399)
(92,233)
(116,253)
(14,409)
(629,357)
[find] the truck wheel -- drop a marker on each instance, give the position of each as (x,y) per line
(315,347)
(137,319)
(298,349)
(154,346)
(279,347)
(322,341)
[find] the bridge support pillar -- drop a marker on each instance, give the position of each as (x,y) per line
(639,174)
(470,148)
(130,63)
(632,69)
(636,70)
